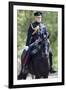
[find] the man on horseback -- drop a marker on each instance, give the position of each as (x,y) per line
(33,34)
(36,32)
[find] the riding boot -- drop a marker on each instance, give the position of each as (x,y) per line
(51,63)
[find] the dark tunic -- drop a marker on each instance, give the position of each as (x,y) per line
(31,38)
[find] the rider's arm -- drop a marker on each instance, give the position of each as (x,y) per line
(29,34)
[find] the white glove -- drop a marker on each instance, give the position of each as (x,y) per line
(26,48)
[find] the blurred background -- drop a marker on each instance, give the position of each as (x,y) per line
(50,19)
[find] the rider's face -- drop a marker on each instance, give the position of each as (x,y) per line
(38,18)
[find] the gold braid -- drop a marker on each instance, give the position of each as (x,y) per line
(36,29)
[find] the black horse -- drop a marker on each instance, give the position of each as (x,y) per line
(38,64)
(37,60)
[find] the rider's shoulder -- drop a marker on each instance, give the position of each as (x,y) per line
(33,25)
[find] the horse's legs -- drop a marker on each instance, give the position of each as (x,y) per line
(33,77)
(22,76)
(45,76)
(37,76)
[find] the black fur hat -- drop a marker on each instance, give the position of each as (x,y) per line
(38,13)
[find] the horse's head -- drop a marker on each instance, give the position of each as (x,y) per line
(45,48)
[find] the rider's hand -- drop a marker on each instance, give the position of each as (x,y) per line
(26,48)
